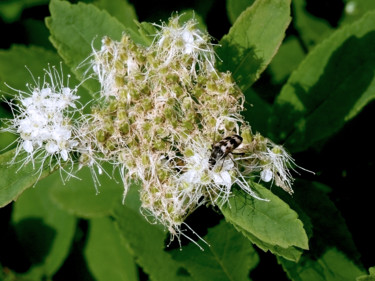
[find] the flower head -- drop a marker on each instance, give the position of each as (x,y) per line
(43,118)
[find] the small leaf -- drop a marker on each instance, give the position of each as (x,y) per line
(322,212)
(257,112)
(74,46)
(272,222)
(289,56)
(230,256)
(44,230)
(122,10)
(355,9)
(106,256)
(333,84)
(236,7)
(290,253)
(331,265)
(370,277)
(13,71)
(10,11)
(79,197)
(146,241)
(312,30)
(15,179)
(253,40)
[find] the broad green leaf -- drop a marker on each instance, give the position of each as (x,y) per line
(355,9)
(146,241)
(257,111)
(312,30)
(22,65)
(272,222)
(236,7)
(253,40)
(290,253)
(370,277)
(74,36)
(16,179)
(44,230)
(333,83)
(106,256)
(122,10)
(286,60)
(230,256)
(316,203)
(332,265)
(79,197)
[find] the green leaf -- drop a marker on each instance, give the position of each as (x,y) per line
(290,253)
(79,197)
(122,10)
(16,179)
(10,11)
(257,111)
(315,202)
(106,256)
(253,40)
(272,222)
(44,231)
(146,241)
(36,59)
(230,256)
(286,60)
(333,83)
(74,36)
(370,277)
(236,7)
(355,9)
(332,265)
(312,30)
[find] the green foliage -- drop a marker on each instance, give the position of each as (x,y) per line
(332,265)
(311,29)
(329,88)
(146,242)
(44,230)
(226,256)
(370,277)
(271,225)
(21,65)
(106,255)
(236,7)
(78,195)
(253,40)
(14,180)
(322,78)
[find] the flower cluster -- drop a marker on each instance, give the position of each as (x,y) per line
(43,118)
(162,110)
(164,107)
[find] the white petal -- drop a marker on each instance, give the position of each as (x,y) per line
(27,146)
(51,147)
(223,178)
(266,175)
(64,154)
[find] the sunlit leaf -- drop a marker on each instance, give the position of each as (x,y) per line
(229,256)
(43,229)
(106,256)
(333,84)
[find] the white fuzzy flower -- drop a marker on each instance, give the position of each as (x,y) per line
(175,40)
(43,119)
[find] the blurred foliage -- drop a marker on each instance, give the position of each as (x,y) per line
(307,69)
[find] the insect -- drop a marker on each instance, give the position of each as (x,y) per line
(222,148)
